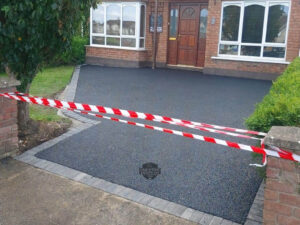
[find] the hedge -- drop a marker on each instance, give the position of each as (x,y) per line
(281,106)
(74,55)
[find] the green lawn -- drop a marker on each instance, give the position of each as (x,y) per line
(46,84)
(3,75)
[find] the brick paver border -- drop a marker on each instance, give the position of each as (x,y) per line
(254,216)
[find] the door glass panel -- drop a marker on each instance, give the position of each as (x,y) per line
(230,23)
(253,24)
(277,23)
(173,22)
(113,13)
(188,13)
(203,23)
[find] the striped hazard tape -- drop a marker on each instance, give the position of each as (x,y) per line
(86,109)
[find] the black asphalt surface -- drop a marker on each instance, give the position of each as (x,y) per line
(211,178)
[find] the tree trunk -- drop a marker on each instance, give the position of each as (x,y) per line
(23,112)
(23,107)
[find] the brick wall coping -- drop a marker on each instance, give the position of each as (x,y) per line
(284,137)
(6,82)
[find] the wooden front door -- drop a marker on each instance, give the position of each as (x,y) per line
(187,31)
(187,34)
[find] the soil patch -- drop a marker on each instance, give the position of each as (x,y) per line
(38,132)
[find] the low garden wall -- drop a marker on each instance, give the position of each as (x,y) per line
(282,189)
(8,119)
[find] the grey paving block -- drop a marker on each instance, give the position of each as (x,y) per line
(136,196)
(145,199)
(216,221)
(158,203)
(80,176)
(252,222)
(187,213)
(69,173)
(256,210)
(196,216)
(105,186)
(124,191)
(41,163)
(89,180)
(206,219)
(57,169)
(258,218)
(117,189)
(24,157)
(34,150)
(175,209)
(85,179)
(226,222)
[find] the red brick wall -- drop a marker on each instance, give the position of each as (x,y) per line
(8,125)
(282,193)
(112,53)
(215,7)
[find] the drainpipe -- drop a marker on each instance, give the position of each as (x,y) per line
(154,37)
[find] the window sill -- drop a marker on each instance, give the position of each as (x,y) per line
(118,48)
(251,60)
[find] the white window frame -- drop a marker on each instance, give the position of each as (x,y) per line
(261,58)
(137,37)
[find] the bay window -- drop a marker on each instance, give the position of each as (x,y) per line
(118,25)
(254,29)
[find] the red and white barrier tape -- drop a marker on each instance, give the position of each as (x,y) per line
(122,112)
(59,104)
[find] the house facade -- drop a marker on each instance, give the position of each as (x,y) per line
(249,38)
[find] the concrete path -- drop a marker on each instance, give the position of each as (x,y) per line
(30,196)
(202,176)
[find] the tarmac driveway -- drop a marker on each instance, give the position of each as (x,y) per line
(211,178)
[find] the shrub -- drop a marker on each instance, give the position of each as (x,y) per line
(281,106)
(75,54)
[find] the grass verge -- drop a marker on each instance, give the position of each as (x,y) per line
(47,83)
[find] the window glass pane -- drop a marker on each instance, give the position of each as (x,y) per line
(98,40)
(275,52)
(250,50)
(113,41)
(230,23)
(229,49)
(128,42)
(173,22)
(142,43)
(143,21)
(253,24)
(203,23)
(113,13)
(98,19)
(277,24)
(128,20)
